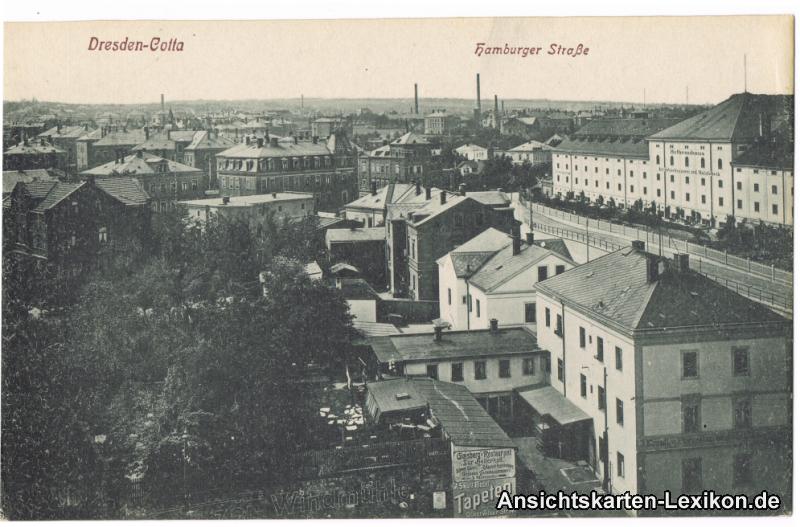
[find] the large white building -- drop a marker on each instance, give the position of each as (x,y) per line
(718,163)
(684,384)
(492,276)
(254,209)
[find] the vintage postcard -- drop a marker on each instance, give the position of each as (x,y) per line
(398,268)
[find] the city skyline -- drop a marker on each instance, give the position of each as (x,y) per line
(630,60)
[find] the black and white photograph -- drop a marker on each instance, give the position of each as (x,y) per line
(403,267)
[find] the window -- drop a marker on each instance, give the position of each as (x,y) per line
(480,370)
(688,196)
(102,235)
(702,162)
(528,366)
(618,358)
(477,308)
(742,413)
(686,161)
(530,313)
(756,206)
(672,178)
(559,269)
(719,164)
(449,297)
(691,475)
(457,372)
(774,189)
(601,398)
(600,349)
(775,210)
(505,368)
(690,369)
(620,465)
(755,187)
(542,272)
(741,361)
(658,160)
(672,194)
(738,204)
(620,413)
(738,185)
(742,469)
(583,386)
(721,201)
(690,413)
(547,317)
(433,371)
(560,370)
(546,360)
(559,326)
(582,337)
(671,161)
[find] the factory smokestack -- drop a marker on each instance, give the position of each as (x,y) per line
(478,101)
(496,113)
(162,102)
(416,100)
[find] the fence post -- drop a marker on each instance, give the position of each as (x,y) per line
(686,246)
(726,256)
(748,265)
(773,271)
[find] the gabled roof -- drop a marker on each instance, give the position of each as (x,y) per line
(605,147)
(33,148)
(122,138)
(358,234)
(68,132)
(530,146)
(357,289)
(493,198)
(738,118)
(126,190)
(57,191)
(504,265)
(387,194)
(204,141)
(614,289)
(282,149)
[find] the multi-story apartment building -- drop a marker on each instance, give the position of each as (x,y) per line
(371,208)
(491,363)
(167,182)
(34,154)
(493,277)
(609,158)
(325,169)
(72,225)
(418,234)
(694,160)
(439,122)
(113,144)
(472,152)
(407,158)
(202,151)
(533,152)
(688,169)
(169,144)
(66,138)
(680,384)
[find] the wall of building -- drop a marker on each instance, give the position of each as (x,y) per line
(764,194)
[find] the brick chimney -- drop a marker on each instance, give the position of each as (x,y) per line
(462,189)
(493,326)
(443,197)
(437,333)
(516,242)
(529,238)
(146,133)
(418,187)
(273,142)
(427,193)
(652,268)
(373,188)
(682,262)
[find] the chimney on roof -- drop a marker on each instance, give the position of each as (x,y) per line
(443,197)
(226,200)
(274,195)
(652,268)
(295,139)
(373,188)
(58,128)
(638,245)
(273,141)
(146,133)
(260,142)
(529,238)
(247,140)
(139,154)
(681,262)
(315,139)
(418,187)
(437,333)
(85,127)
(416,100)
(427,193)
(42,142)
(462,189)
(162,102)
(493,326)
(516,242)
(496,113)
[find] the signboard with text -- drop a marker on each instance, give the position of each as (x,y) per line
(479,477)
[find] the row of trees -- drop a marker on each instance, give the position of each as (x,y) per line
(179,370)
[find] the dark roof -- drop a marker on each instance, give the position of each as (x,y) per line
(614,288)
(122,138)
(358,289)
(604,147)
(57,191)
(358,234)
(738,118)
(33,148)
(638,128)
(68,132)
(464,421)
(778,155)
(141,163)
(281,149)
(454,344)
(125,189)
(205,141)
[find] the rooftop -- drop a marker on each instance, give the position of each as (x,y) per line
(280,149)
(614,289)
(464,421)
(12,177)
(249,201)
(141,163)
(359,234)
(455,344)
(738,118)
(357,289)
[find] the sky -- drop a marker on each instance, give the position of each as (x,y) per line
(230,60)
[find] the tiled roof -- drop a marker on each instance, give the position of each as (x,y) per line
(205,141)
(614,288)
(504,265)
(604,147)
(58,191)
(72,132)
(737,118)
(381,197)
(136,165)
(777,155)
(33,148)
(632,128)
(493,198)
(456,344)
(12,177)
(127,190)
(410,138)
(358,289)
(530,146)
